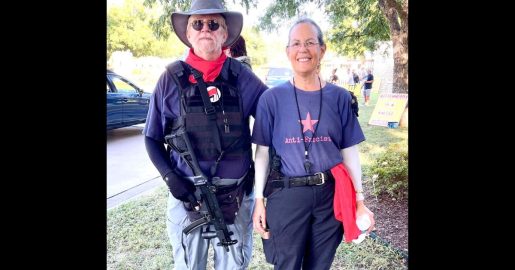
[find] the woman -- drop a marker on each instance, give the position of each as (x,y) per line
(312,128)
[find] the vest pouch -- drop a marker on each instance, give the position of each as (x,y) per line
(230,200)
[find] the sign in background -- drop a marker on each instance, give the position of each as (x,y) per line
(389,108)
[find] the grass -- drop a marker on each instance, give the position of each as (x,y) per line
(136,234)
(136,230)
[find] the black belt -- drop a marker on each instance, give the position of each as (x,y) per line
(317,179)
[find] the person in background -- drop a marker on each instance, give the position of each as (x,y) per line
(217,124)
(367,86)
(333,78)
(238,51)
(311,131)
(349,80)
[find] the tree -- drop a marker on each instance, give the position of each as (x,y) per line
(255,46)
(162,26)
(129,28)
(357,25)
(163,23)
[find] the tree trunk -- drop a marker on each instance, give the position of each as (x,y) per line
(400,64)
(397,18)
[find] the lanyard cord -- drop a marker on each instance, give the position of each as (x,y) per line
(307,164)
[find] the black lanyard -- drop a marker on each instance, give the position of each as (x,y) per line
(307,163)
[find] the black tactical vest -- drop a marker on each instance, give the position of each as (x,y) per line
(232,129)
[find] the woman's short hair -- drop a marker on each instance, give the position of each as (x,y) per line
(320,35)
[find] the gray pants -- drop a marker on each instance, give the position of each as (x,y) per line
(366,92)
(191,251)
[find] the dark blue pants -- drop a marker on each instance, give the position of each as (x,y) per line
(304,232)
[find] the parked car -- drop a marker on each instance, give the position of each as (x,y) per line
(127,104)
(277,75)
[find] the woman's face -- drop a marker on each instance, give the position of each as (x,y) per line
(303,49)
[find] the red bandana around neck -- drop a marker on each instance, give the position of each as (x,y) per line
(210,69)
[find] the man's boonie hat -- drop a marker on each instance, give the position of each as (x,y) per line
(233,20)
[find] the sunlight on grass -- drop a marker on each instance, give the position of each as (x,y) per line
(369,254)
(136,239)
(136,234)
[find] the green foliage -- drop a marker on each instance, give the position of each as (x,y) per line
(129,28)
(389,172)
(345,38)
(280,11)
(357,26)
(255,46)
(162,24)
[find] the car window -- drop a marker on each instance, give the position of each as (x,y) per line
(108,88)
(279,72)
(122,86)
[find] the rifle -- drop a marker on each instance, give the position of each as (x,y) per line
(214,215)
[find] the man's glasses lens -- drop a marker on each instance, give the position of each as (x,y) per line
(211,24)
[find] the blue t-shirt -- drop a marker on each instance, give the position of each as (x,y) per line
(369,77)
(164,105)
(277,124)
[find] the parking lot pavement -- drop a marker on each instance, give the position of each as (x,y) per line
(129,168)
(134,192)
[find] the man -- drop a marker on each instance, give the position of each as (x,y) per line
(367,86)
(217,127)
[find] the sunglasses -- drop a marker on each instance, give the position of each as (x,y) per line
(213,25)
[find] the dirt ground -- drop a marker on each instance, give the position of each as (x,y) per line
(391,219)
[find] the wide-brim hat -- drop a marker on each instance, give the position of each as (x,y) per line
(233,20)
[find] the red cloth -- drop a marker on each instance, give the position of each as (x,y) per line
(345,202)
(210,69)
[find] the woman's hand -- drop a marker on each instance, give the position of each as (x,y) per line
(363,210)
(259,218)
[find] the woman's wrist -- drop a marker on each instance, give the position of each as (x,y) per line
(359,195)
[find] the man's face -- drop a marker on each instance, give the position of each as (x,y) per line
(206,40)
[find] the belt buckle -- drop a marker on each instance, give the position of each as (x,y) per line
(322,175)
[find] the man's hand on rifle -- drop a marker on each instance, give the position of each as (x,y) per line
(181,188)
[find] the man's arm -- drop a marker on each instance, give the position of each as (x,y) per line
(180,188)
(157,153)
